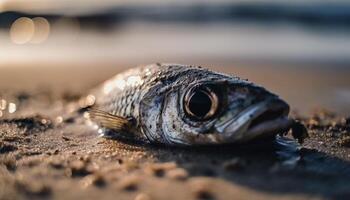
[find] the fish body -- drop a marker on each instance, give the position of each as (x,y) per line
(186,105)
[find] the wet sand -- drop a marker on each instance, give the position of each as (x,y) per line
(48,152)
(305,87)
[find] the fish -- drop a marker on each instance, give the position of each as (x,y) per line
(181,105)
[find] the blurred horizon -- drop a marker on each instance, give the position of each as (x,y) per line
(303,47)
(314,32)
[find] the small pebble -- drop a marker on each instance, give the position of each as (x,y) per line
(347,121)
(56,164)
(345,141)
(129,184)
(33,187)
(95,179)
(159,169)
(204,195)
(234,164)
(9,162)
(6,147)
(65,138)
(142,196)
(201,190)
(78,168)
(178,174)
(299,132)
(59,119)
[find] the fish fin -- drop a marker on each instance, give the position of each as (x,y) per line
(110,121)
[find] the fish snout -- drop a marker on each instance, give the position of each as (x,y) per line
(275,108)
(272,119)
(264,118)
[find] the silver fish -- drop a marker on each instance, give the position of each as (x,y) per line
(186,105)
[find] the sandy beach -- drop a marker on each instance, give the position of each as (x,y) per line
(48,152)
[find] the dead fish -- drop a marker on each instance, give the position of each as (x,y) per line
(186,105)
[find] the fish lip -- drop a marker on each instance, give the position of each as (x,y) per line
(242,127)
(274,110)
(268,128)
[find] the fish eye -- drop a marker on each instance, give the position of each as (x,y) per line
(201,103)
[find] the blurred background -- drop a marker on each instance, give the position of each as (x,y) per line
(298,49)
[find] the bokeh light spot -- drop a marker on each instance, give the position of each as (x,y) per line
(3,104)
(12,107)
(41,30)
(22,30)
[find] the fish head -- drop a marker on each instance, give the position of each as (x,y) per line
(210,108)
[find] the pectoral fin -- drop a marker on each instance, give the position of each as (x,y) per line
(110,121)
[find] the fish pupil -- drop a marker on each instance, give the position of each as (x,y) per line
(200,104)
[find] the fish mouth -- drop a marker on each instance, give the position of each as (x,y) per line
(271,120)
(263,119)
